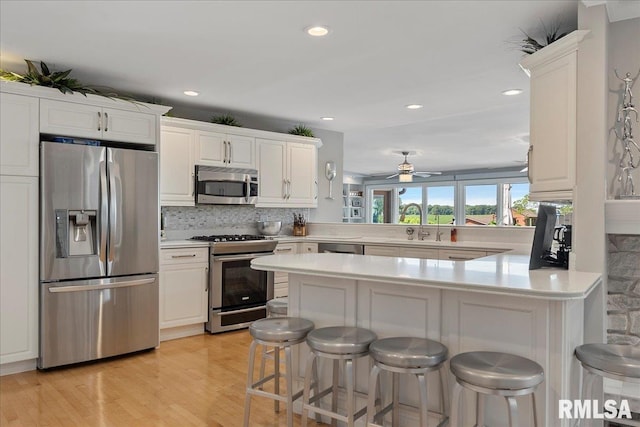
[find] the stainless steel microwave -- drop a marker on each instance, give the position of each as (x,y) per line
(226,186)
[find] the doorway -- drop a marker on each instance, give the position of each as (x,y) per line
(381,207)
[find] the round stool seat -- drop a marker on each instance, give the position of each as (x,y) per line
(408,352)
(340,340)
(280,329)
(619,359)
(278,306)
(497,371)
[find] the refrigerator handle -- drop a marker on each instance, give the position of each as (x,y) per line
(104,216)
(114,197)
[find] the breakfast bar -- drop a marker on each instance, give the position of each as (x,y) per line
(492,303)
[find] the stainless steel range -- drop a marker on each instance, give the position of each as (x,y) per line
(238,294)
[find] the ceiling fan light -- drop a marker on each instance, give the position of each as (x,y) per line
(405,177)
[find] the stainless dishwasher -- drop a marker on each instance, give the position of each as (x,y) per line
(341,248)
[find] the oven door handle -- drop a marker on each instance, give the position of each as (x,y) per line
(243,310)
(242,257)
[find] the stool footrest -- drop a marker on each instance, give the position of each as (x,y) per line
(340,417)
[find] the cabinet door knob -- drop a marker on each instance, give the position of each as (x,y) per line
(106,122)
(529,163)
(99,120)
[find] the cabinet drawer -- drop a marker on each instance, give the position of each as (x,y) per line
(286,248)
(423,253)
(382,250)
(458,255)
(184,256)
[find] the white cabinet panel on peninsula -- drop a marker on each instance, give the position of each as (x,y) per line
(553,124)
(97,122)
(184,278)
(288,174)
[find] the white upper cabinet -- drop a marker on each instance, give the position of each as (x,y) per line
(177,170)
(19,135)
(303,176)
(287,174)
(552,150)
(286,164)
(226,150)
(95,122)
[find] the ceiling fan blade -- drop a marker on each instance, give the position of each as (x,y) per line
(391,176)
(430,173)
(422,174)
(524,169)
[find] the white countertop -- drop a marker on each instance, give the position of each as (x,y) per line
(171,244)
(390,241)
(506,273)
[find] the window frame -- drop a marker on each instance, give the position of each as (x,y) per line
(459,188)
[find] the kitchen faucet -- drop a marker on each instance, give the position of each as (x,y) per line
(421,233)
(438,232)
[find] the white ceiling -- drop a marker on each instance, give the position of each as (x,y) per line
(454,57)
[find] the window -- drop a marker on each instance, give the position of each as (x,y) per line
(481,203)
(409,196)
(441,204)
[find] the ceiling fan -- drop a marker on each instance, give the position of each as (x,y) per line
(406,172)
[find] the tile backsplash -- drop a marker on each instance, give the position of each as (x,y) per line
(186,221)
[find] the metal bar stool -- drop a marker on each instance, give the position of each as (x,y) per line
(277,307)
(340,343)
(502,374)
(405,355)
(278,332)
(614,361)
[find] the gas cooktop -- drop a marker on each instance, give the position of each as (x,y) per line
(226,244)
(229,237)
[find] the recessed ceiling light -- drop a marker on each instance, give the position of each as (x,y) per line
(511,92)
(327,118)
(191,93)
(413,106)
(317,31)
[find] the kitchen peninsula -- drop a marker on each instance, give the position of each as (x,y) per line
(490,303)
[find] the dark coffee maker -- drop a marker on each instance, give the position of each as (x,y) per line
(562,235)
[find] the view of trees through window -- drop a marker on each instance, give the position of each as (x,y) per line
(481,205)
(487,202)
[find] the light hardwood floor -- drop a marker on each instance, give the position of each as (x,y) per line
(195,381)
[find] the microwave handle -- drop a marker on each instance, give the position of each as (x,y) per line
(247,181)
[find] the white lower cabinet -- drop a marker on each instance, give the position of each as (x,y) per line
(18,269)
(460,255)
(184,285)
(382,250)
(425,253)
(308,248)
(280,279)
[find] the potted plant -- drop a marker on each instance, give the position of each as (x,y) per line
(58,80)
(225,119)
(301,130)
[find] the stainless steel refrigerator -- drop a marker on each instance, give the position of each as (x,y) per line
(98,252)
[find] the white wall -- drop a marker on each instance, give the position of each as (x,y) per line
(624,56)
(589,245)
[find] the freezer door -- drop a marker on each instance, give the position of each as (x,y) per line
(133,212)
(73,211)
(93,319)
